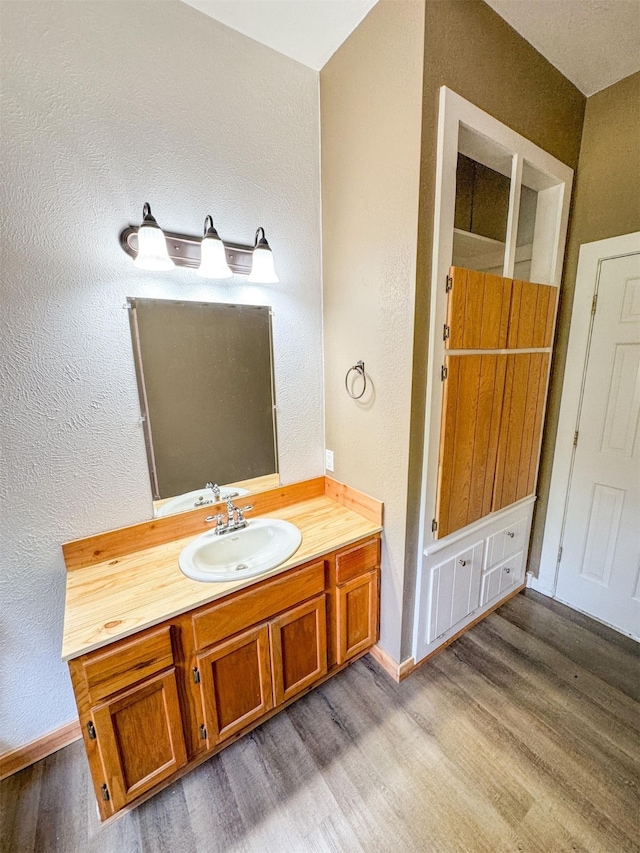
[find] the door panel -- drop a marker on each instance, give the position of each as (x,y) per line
(478,310)
(235,679)
(521,427)
(298,648)
(357,615)
(472,407)
(455,588)
(599,572)
(140,737)
(532,315)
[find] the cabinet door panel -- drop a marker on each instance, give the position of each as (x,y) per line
(140,737)
(502,577)
(454,590)
(521,427)
(531,315)
(357,615)
(298,648)
(477,310)
(472,405)
(235,680)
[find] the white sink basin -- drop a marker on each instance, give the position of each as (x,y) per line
(196,499)
(259,547)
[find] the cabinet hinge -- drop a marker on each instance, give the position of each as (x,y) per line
(195,672)
(446,332)
(575,438)
(594,303)
(449,284)
(203,733)
(434,526)
(105,793)
(443,373)
(559,553)
(92,730)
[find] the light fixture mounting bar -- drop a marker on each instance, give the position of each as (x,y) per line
(184,250)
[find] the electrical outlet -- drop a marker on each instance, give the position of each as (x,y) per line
(328,464)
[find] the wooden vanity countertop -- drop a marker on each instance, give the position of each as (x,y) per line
(112,599)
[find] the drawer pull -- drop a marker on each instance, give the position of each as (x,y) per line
(463,562)
(507,569)
(510,534)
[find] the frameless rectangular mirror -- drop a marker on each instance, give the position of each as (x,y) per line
(205,380)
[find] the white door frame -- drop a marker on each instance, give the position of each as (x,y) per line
(591,257)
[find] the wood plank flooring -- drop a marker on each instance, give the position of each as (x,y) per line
(521,736)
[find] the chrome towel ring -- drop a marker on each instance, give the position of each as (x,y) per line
(359,368)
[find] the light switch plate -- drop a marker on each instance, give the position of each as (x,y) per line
(328,460)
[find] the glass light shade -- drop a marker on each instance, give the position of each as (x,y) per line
(262,268)
(213,260)
(152,246)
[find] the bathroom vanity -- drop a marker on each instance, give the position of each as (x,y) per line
(168,671)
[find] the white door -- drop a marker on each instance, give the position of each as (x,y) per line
(599,569)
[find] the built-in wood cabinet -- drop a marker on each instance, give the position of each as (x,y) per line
(500,220)
(164,699)
(466,575)
(495,377)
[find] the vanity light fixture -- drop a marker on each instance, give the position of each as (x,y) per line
(153,249)
(262,269)
(213,260)
(152,246)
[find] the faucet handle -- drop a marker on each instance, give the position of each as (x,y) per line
(241,512)
(219,518)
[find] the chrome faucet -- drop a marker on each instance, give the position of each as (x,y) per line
(235,519)
(215,488)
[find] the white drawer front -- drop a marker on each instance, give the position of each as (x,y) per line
(507,541)
(500,578)
(454,590)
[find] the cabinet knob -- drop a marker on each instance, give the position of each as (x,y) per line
(510,534)
(507,569)
(463,562)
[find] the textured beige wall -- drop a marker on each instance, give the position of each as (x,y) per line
(472,50)
(370,95)
(105,106)
(606,203)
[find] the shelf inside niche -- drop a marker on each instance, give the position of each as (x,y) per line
(474,251)
(472,245)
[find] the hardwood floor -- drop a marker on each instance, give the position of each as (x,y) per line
(521,736)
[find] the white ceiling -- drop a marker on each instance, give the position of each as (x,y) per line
(309,31)
(594,43)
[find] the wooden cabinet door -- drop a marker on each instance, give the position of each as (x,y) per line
(140,737)
(531,315)
(298,648)
(525,393)
(235,681)
(489,312)
(471,411)
(357,615)
(477,310)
